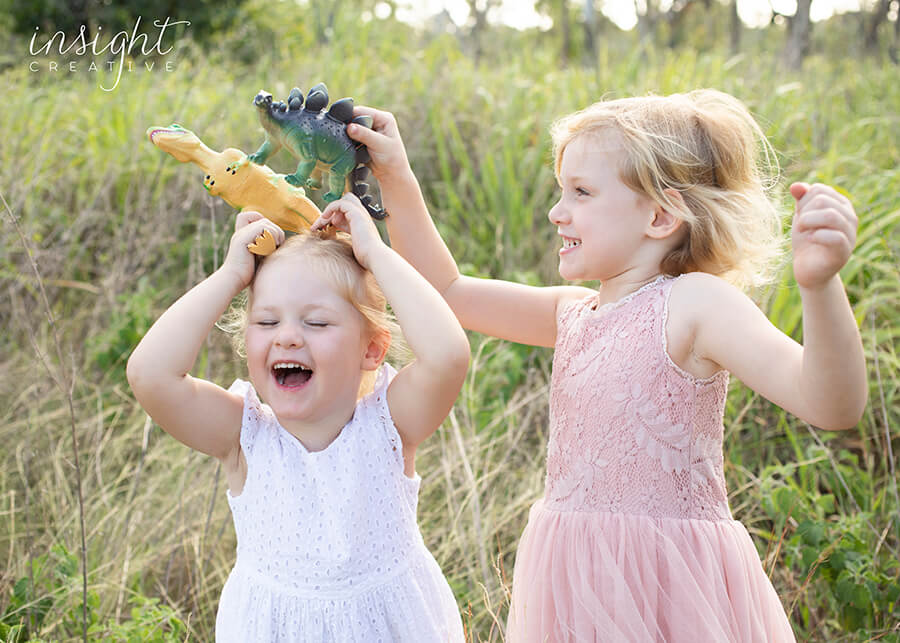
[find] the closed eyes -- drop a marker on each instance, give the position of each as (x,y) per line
(312,324)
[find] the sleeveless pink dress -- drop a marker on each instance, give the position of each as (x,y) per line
(634,539)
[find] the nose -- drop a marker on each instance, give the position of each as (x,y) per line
(558,214)
(289,335)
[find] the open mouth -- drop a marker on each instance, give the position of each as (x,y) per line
(570,243)
(291,374)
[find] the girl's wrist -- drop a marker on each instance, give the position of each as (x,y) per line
(832,283)
(374,254)
(231,279)
(396,178)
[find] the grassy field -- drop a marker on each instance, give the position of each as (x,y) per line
(117,230)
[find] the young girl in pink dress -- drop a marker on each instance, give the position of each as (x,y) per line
(664,202)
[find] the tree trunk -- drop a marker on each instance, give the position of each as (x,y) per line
(566,29)
(325,13)
(735,31)
(895,46)
(590,26)
(879,15)
(798,36)
(676,16)
(647,20)
(479,10)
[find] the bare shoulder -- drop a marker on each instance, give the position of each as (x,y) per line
(699,301)
(701,292)
(567,294)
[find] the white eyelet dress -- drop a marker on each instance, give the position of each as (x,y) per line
(328,549)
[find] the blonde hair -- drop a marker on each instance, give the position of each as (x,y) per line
(707,146)
(332,255)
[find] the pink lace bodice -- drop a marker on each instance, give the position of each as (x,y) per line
(631,432)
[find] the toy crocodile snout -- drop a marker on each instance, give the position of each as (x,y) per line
(242,184)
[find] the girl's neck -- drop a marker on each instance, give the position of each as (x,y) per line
(624,284)
(317,436)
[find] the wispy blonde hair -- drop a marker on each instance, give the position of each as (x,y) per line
(332,255)
(707,146)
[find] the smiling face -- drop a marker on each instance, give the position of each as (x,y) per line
(600,220)
(307,346)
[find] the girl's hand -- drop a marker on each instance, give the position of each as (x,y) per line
(348,215)
(383,142)
(247,227)
(823,234)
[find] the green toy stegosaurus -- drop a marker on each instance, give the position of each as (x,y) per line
(319,140)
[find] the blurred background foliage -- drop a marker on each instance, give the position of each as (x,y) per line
(103,19)
(118,230)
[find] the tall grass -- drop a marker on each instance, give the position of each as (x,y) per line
(119,230)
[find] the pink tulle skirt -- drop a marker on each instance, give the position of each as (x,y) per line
(582,576)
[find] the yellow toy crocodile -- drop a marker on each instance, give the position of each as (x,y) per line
(243,185)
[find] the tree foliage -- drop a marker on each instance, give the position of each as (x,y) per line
(70,16)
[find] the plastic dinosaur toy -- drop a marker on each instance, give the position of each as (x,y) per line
(243,185)
(318,139)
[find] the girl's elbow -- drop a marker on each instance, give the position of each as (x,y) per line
(447,352)
(460,362)
(455,361)
(134,371)
(462,351)
(837,427)
(857,410)
(844,419)
(857,416)
(139,371)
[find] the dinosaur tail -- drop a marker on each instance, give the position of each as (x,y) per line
(362,189)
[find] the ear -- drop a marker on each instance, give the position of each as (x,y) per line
(664,223)
(376,350)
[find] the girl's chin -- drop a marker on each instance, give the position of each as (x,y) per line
(568,274)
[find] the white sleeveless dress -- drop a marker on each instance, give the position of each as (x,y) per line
(328,548)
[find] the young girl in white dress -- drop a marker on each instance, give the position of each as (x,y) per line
(321,477)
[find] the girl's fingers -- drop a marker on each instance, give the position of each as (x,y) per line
(245,218)
(829,237)
(832,219)
(339,221)
(337,218)
(335,213)
(799,189)
(344,204)
(825,218)
(350,200)
(252,231)
(381,120)
(818,194)
(278,233)
(366,136)
(340,213)
(384,126)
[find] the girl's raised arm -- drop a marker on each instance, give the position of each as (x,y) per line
(823,381)
(422,393)
(519,313)
(198,413)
